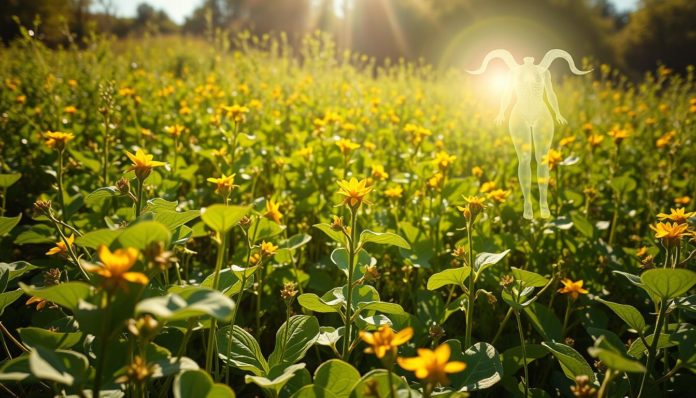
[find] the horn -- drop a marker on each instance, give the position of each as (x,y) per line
(500,53)
(551,55)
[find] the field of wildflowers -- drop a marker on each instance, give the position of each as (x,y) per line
(182,219)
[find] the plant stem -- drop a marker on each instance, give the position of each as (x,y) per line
(102,349)
(652,350)
(566,317)
(524,354)
(60,182)
(139,203)
(604,388)
(349,298)
(502,326)
(470,293)
(216,281)
(392,393)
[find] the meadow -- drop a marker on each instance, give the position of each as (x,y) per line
(201,219)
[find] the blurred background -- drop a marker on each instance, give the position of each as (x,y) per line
(633,35)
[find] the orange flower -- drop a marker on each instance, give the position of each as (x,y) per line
(384,341)
(60,247)
(432,365)
(573,288)
(115,268)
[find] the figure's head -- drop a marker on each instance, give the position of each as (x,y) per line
(528,60)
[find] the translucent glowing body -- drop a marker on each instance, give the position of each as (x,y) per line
(531,123)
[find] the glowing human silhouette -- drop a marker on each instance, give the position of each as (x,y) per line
(530,119)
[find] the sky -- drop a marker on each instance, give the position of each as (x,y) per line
(178,10)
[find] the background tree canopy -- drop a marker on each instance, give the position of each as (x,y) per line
(443,32)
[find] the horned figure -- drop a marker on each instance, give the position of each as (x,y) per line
(530,118)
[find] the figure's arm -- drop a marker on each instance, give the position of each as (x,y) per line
(551,95)
(505,102)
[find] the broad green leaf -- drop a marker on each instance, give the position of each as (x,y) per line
(483,366)
(8,298)
(7,223)
(66,295)
(529,278)
(638,349)
(293,339)
(263,229)
(613,359)
(101,194)
(276,379)
(326,304)
(627,313)
(336,236)
(163,367)
(341,259)
(36,234)
(245,353)
(16,269)
(485,260)
(572,363)
(329,336)
(94,239)
(60,366)
(188,302)
(7,180)
(313,391)
(142,234)
(297,241)
(378,380)
(33,337)
(544,321)
(452,276)
(383,238)
(199,384)
(221,218)
(337,377)
(623,184)
(513,358)
(16,369)
(668,283)
(380,306)
(583,225)
(173,219)
(230,280)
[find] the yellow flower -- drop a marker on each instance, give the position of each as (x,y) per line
(487,186)
(394,192)
(498,195)
(665,139)
(273,211)
(235,112)
(354,191)
(682,200)
(225,184)
(378,172)
(572,288)
(553,158)
(126,92)
(475,205)
(71,110)
(443,160)
(58,139)
(567,140)
(679,215)
(268,249)
(116,267)
(476,171)
(346,146)
(60,247)
(595,140)
(305,152)
(587,128)
(432,365)
(435,181)
(642,251)
(384,341)
(669,233)
(619,134)
(175,130)
(142,163)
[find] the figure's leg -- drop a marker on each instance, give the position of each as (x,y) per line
(522,138)
(543,137)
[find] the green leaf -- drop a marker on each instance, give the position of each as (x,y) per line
(513,358)
(16,269)
(198,383)
(60,366)
(341,259)
(7,180)
(33,337)
(293,339)
(142,234)
(245,353)
(7,223)
(383,238)
(174,219)
(529,278)
(572,363)
(171,365)
(627,313)
(66,295)
(8,298)
(583,225)
(190,301)
(623,184)
(264,228)
(94,239)
(380,306)
(36,234)
(337,377)
(276,379)
(485,260)
(483,366)
(452,276)
(297,241)
(326,304)
(638,349)
(613,359)
(544,320)
(16,369)
(221,218)
(313,391)
(378,380)
(336,236)
(668,283)
(101,194)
